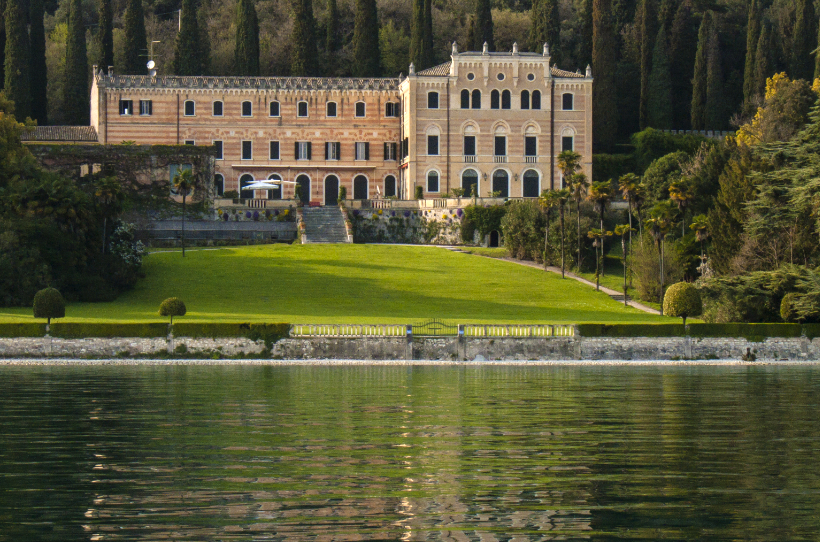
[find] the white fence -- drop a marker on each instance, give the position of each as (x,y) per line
(521,331)
(348,330)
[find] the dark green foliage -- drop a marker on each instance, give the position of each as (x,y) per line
(764,60)
(659,106)
(418,54)
(187,49)
(39,73)
(108,329)
(246,40)
(17,82)
(660,174)
(136,42)
(419,192)
(173,306)
(429,57)
(75,89)
(332,27)
(523,229)
(485,219)
(715,114)
(29,329)
(651,144)
(366,57)
(204,45)
(49,303)
(630,330)
(585,47)
(804,42)
(611,166)
(754,332)
(546,28)
(483,25)
(303,59)
(3,45)
(787,308)
(106,35)
(682,300)
(698,110)
(752,38)
(604,62)
(646,23)
(270,333)
(682,47)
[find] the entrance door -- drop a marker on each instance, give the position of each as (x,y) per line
(332,190)
(469,182)
(360,187)
(304,182)
(530,184)
(493,238)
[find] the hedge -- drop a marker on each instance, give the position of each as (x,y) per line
(108,329)
(28,329)
(753,332)
(270,333)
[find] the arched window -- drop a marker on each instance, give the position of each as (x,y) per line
(247,109)
(567,140)
(469,182)
(330,109)
(274,109)
(531,184)
(360,187)
(302,109)
(465,99)
(567,100)
(389,186)
(432,100)
(190,108)
(525,99)
(506,99)
(432,181)
(217,108)
(536,99)
(276,193)
(494,99)
(360,109)
(219,184)
(501,183)
(244,181)
(476,99)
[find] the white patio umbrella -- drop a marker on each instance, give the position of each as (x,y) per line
(265,185)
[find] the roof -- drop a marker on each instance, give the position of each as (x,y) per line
(85,134)
(441,69)
(557,72)
(252,83)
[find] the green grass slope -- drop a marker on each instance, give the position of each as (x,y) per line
(351,284)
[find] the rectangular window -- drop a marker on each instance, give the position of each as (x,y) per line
(146,107)
(247,109)
(331,109)
(274,109)
(530,146)
(190,108)
(391,109)
(432,100)
(247,150)
(501,145)
(469,145)
(566,100)
(302,109)
(362,151)
(190,142)
(432,145)
(390,151)
(360,109)
(405,147)
(567,143)
(217,109)
(333,150)
(218,147)
(302,150)
(274,150)
(126,107)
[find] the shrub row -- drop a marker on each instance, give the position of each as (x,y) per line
(270,333)
(754,332)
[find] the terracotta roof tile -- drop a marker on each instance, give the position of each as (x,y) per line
(557,72)
(440,70)
(85,134)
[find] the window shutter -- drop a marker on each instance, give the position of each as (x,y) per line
(327,150)
(367,150)
(338,150)
(296,151)
(308,149)
(386,155)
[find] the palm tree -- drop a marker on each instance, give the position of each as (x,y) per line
(183,182)
(562,197)
(630,186)
(660,221)
(623,230)
(600,193)
(568,162)
(598,237)
(578,186)
(700,225)
(682,193)
(547,200)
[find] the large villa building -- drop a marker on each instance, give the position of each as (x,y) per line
(491,122)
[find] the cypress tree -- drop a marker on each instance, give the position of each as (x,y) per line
(303,59)
(764,60)
(752,37)
(715,104)
(483,25)
(417,41)
(805,41)
(246,41)
(75,88)
(604,91)
(817,56)
(3,45)
(17,83)
(698,110)
(332,35)
(585,49)
(39,73)
(204,45)
(106,34)
(366,57)
(682,46)
(429,56)
(136,42)
(546,28)
(660,86)
(647,19)
(187,49)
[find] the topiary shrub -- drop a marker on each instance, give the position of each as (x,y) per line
(787,309)
(419,192)
(173,306)
(342,193)
(683,300)
(49,303)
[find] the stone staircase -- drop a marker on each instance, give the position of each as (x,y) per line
(324,225)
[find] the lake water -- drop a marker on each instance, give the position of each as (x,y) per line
(409,453)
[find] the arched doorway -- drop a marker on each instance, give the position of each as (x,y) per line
(494,237)
(389,186)
(501,182)
(360,187)
(304,182)
(244,181)
(531,184)
(469,182)
(331,190)
(276,193)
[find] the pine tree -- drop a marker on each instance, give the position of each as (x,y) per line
(136,42)
(715,103)
(698,111)
(647,19)
(332,27)
(483,26)
(752,37)
(682,46)
(546,28)
(660,86)
(366,57)
(246,41)
(604,103)
(106,34)
(187,49)
(39,73)
(17,80)
(75,88)
(764,60)
(303,57)
(585,49)
(805,41)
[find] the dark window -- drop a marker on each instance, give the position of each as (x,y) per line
(432,100)
(432,181)
(501,145)
(217,109)
(469,145)
(525,99)
(476,99)
(360,109)
(302,109)
(391,109)
(432,145)
(219,184)
(146,107)
(494,100)
(405,147)
(333,150)
(567,143)
(469,182)
(465,99)
(530,146)
(247,150)
(274,150)
(536,99)
(567,101)
(505,99)
(247,109)
(190,142)
(390,151)
(530,189)
(389,186)
(190,108)
(500,183)
(218,147)
(126,107)
(331,109)
(244,181)
(360,187)
(274,109)
(275,193)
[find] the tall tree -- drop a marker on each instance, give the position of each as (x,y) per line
(366,57)
(715,102)
(682,46)
(483,25)
(546,28)
(17,82)
(3,44)
(764,60)
(698,111)
(429,58)
(332,27)
(204,44)
(39,73)
(604,51)
(647,21)
(752,37)
(136,42)
(303,57)
(805,41)
(659,105)
(187,49)
(246,40)
(75,88)
(106,34)
(817,56)
(585,48)
(417,41)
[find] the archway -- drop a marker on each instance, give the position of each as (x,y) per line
(244,181)
(501,183)
(360,187)
(469,182)
(531,184)
(494,238)
(276,193)
(389,186)
(331,190)
(304,182)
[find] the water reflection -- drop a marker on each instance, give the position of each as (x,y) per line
(418,453)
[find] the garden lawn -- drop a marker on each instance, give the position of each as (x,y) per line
(350,284)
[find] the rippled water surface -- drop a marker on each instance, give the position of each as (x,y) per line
(415,453)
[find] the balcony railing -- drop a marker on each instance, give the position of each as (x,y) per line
(500,159)
(469,159)
(531,159)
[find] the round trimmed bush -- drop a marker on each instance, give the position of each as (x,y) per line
(49,303)
(682,300)
(173,306)
(787,310)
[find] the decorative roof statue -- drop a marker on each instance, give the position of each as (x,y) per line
(455,49)
(486,49)
(412,69)
(589,70)
(515,48)
(546,50)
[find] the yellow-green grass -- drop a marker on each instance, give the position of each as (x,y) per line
(350,284)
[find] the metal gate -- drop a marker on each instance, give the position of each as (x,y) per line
(435,328)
